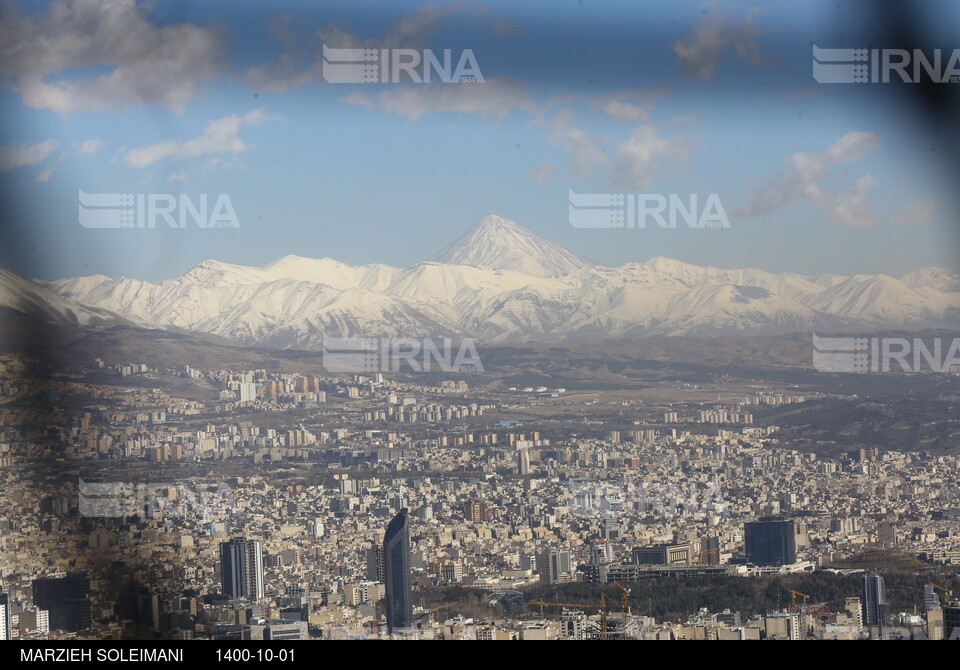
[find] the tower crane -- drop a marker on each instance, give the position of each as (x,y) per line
(624,597)
(793,598)
(603,607)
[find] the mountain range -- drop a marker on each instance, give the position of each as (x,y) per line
(498,283)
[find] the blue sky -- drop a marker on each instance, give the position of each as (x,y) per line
(651,97)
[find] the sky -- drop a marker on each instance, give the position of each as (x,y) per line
(653,98)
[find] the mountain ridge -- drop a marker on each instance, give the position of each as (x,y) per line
(499,282)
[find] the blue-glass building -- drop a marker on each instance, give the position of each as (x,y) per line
(396,555)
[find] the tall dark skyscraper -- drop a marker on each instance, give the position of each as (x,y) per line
(376,571)
(66,598)
(874,598)
(951,621)
(396,554)
(5,633)
(241,568)
(771,541)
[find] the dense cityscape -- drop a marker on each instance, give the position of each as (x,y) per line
(298,506)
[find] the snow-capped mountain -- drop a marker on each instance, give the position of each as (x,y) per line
(498,283)
(21,295)
(500,244)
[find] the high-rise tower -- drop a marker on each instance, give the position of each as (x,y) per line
(241,568)
(771,541)
(5,631)
(875,607)
(396,555)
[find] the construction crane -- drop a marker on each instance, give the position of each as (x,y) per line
(603,607)
(624,597)
(433,610)
(944,589)
(708,553)
(793,598)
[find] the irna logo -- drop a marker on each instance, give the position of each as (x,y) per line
(153,210)
(882,66)
(392,66)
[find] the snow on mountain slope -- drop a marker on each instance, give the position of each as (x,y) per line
(500,244)
(500,283)
(316,270)
(788,284)
(36,300)
(730,309)
(884,300)
(354,313)
(939,279)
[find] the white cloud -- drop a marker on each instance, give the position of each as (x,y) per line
(176,176)
(851,146)
(18,155)
(44,176)
(541,173)
(145,63)
(221,136)
(802,179)
(631,105)
(631,164)
(90,147)
(301,61)
(700,51)
(626,111)
(639,160)
(920,212)
(849,207)
(586,150)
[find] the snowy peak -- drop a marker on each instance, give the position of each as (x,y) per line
(939,279)
(34,299)
(215,273)
(211,273)
(498,283)
(501,244)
